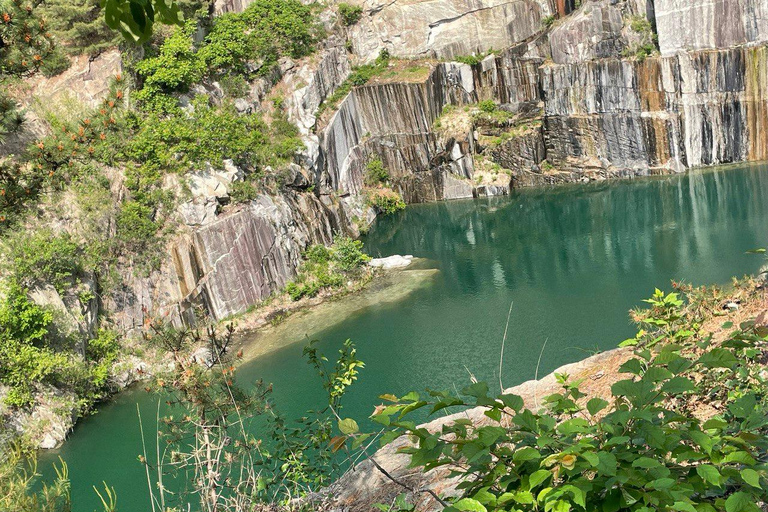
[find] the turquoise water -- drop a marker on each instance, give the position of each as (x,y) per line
(572,260)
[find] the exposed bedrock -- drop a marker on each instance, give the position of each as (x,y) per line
(692,109)
(226,266)
(394,122)
(593,33)
(445,28)
(697,25)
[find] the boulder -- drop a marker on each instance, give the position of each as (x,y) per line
(390,262)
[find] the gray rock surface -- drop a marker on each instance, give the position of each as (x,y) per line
(444,28)
(706,24)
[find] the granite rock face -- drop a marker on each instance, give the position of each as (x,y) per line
(685,25)
(588,34)
(240,259)
(394,122)
(445,28)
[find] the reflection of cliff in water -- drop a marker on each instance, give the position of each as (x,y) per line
(570,230)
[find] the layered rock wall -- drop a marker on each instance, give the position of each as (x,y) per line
(685,25)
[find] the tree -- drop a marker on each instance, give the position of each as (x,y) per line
(135,19)
(79,25)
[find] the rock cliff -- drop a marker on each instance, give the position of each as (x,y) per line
(579,95)
(583,101)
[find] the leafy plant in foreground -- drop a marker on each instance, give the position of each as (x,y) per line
(640,450)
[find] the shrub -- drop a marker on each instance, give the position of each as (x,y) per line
(348,253)
(487,106)
(375,173)
(79,25)
(210,134)
(318,253)
(349,14)
(42,256)
(385,200)
(135,226)
(548,21)
(243,191)
(328,267)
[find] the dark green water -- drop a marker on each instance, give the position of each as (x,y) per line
(574,260)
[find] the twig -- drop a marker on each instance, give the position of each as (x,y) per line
(536,375)
(407,487)
(146,464)
(503,342)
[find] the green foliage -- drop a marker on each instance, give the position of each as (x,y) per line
(642,450)
(487,106)
(348,253)
(43,256)
(474,59)
(18,472)
(375,173)
(349,14)
(25,43)
(647,43)
(236,44)
(25,48)
(208,134)
(30,356)
(384,200)
(10,117)
(328,267)
(135,19)
(79,25)
(135,226)
(173,70)
(548,21)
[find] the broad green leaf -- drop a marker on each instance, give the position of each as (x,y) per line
(718,358)
(751,476)
(348,426)
(525,454)
(740,502)
(607,463)
(477,390)
(596,405)
(468,505)
(678,385)
(683,506)
(514,402)
(709,474)
(359,440)
(538,477)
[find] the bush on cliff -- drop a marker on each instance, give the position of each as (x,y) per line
(643,450)
(328,267)
(30,355)
(349,14)
(384,200)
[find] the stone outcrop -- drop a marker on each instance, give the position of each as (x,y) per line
(684,25)
(394,122)
(588,34)
(445,28)
(243,257)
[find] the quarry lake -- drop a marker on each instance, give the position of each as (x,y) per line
(573,260)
